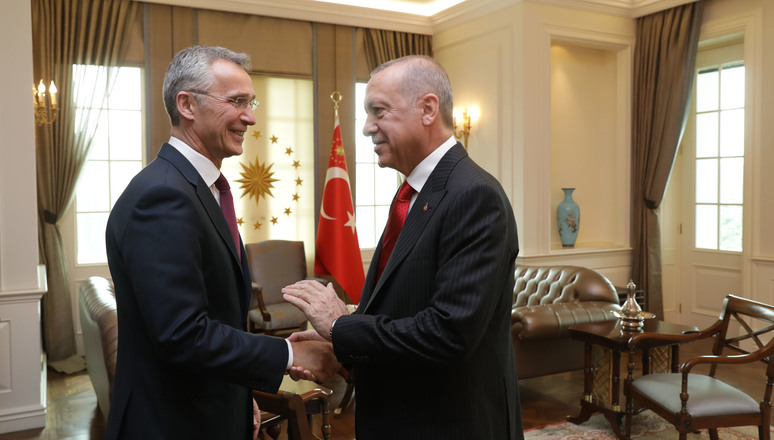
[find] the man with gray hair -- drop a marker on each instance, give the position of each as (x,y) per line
(186,365)
(430,344)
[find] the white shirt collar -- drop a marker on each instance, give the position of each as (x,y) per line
(421,172)
(204,166)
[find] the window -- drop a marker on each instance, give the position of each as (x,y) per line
(272,181)
(116,155)
(374,186)
(720,157)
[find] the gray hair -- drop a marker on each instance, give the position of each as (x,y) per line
(423,74)
(190,70)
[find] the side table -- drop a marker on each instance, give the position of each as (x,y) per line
(604,342)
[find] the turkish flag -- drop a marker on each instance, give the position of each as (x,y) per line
(337,251)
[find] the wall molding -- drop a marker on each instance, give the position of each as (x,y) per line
(359,16)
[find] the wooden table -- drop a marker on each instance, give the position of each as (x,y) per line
(604,342)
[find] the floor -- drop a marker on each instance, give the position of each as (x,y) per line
(73,413)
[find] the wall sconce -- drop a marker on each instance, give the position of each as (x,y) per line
(45,112)
(465,132)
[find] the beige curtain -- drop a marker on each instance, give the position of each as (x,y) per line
(664,64)
(68,33)
(382,45)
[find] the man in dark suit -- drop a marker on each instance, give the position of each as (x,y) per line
(186,366)
(430,343)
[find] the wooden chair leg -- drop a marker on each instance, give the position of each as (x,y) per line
(326,423)
(713,433)
(274,430)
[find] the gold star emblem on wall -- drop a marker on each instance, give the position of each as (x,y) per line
(258,180)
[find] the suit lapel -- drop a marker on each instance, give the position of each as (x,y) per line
(204,194)
(418,217)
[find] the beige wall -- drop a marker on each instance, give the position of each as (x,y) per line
(18,209)
(22,377)
(502,63)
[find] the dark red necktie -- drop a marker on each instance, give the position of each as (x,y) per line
(227,206)
(395,221)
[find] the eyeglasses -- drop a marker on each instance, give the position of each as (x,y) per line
(238,103)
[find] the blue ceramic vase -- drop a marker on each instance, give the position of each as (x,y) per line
(568,219)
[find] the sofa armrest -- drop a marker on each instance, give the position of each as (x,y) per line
(548,321)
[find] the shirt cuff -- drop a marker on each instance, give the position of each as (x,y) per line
(290,355)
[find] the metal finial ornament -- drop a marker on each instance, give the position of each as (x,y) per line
(631,315)
(336,98)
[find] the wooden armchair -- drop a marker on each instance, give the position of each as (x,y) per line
(693,401)
(274,264)
(297,409)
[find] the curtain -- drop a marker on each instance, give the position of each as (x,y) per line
(382,45)
(68,33)
(664,64)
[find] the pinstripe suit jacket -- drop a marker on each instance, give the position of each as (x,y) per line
(185,364)
(430,345)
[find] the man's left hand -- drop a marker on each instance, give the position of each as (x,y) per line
(319,303)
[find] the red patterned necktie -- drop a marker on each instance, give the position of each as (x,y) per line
(227,206)
(395,221)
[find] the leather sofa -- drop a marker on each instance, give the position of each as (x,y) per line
(99,323)
(546,301)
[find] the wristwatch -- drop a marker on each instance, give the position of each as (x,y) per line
(330,333)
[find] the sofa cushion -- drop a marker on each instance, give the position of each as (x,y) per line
(545,321)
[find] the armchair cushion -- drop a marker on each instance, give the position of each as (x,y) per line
(283,315)
(708,396)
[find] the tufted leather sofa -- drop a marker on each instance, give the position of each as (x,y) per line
(546,301)
(99,322)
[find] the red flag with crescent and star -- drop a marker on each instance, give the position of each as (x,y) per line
(337,251)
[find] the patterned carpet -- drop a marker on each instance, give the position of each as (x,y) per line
(645,426)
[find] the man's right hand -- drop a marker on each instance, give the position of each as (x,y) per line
(316,357)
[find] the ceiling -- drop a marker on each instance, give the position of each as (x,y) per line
(419,16)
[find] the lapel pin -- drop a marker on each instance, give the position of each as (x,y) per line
(425,208)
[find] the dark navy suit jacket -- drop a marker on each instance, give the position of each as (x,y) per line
(185,364)
(430,343)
